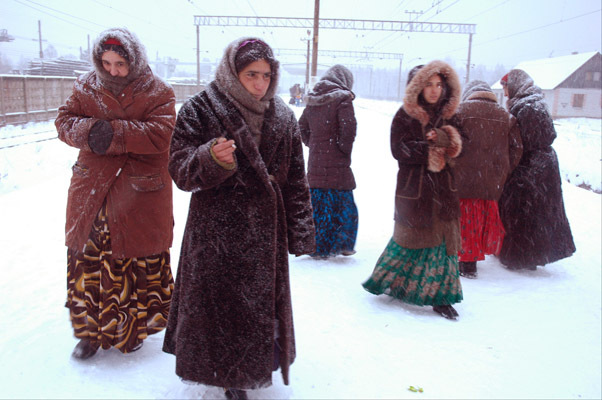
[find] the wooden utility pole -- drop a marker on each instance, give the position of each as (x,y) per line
(198,60)
(314,57)
(40,38)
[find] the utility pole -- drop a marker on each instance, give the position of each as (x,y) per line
(40,38)
(314,58)
(468,62)
(306,86)
(198,60)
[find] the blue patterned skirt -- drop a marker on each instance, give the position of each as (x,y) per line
(336,220)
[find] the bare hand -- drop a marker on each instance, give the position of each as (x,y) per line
(431,135)
(224,149)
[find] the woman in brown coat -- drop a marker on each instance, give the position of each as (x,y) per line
(237,148)
(119,211)
(491,149)
(420,263)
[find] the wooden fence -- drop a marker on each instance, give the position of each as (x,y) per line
(30,98)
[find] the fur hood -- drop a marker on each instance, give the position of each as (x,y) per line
(418,82)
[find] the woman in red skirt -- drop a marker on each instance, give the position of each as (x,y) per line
(491,150)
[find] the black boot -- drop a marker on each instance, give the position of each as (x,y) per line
(468,269)
(236,394)
(84,349)
(446,311)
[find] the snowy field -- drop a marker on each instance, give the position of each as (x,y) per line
(520,335)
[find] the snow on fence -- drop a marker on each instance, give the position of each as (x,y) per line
(31,98)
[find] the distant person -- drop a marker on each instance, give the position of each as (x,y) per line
(328,128)
(237,148)
(491,149)
(119,212)
(531,205)
(420,264)
(296,93)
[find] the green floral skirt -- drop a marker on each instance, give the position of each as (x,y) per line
(417,276)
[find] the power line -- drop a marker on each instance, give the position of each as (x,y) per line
(60,12)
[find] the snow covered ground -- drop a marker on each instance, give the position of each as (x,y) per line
(520,334)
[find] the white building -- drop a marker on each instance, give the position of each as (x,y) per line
(572,84)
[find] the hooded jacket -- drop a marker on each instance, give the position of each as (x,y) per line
(233,279)
(491,146)
(328,128)
(132,176)
(531,205)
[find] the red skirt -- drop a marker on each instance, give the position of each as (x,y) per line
(481,228)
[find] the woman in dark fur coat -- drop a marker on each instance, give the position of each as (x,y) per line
(420,263)
(531,205)
(328,128)
(237,148)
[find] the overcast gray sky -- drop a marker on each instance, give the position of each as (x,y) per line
(507,31)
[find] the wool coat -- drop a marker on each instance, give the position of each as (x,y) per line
(491,145)
(132,176)
(232,292)
(328,128)
(531,205)
(426,192)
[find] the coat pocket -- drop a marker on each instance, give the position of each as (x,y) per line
(147,183)
(409,183)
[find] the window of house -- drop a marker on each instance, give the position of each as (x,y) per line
(597,75)
(578,100)
(589,76)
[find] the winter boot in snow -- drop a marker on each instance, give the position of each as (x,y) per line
(468,269)
(85,349)
(236,394)
(446,311)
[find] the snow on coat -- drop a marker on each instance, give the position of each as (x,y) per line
(491,145)
(132,176)
(424,172)
(233,277)
(531,205)
(328,127)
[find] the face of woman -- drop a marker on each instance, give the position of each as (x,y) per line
(433,89)
(256,78)
(114,64)
(505,90)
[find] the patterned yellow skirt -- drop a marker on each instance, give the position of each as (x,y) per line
(116,302)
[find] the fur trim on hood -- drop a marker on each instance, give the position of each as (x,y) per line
(413,90)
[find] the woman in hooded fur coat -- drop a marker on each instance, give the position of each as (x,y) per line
(231,320)
(328,128)
(491,149)
(119,211)
(531,205)
(420,263)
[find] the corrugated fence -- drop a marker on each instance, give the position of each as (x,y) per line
(27,98)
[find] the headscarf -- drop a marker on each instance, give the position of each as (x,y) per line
(335,84)
(127,45)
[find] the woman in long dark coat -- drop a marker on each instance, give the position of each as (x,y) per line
(531,205)
(237,148)
(119,212)
(491,149)
(420,263)
(328,128)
